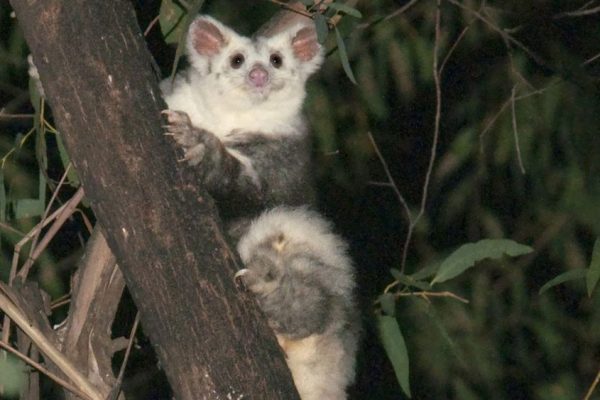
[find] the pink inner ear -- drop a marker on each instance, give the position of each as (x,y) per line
(305,44)
(207,38)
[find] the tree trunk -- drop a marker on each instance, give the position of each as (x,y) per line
(210,338)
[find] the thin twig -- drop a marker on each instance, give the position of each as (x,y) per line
(29,262)
(505,105)
(9,228)
(579,13)
(436,132)
(151,25)
(369,25)
(391,286)
(117,389)
(391,181)
(35,250)
(588,395)
(456,42)
(592,59)
(514,126)
(292,9)
(426,294)
(44,371)
(413,221)
(60,220)
(15,261)
(15,116)
(501,32)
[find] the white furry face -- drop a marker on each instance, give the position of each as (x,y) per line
(245,73)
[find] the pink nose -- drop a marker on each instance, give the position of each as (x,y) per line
(258,76)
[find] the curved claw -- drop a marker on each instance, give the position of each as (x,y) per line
(238,275)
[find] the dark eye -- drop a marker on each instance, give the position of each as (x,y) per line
(276,60)
(237,60)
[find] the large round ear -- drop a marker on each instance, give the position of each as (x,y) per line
(306,47)
(305,44)
(206,37)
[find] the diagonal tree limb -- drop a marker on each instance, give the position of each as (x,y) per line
(211,340)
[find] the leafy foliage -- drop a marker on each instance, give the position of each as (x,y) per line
(468,254)
(393,342)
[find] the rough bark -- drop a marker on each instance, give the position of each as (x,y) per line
(210,338)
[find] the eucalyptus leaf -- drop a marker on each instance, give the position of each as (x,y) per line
(34,97)
(27,208)
(64,158)
(426,272)
(439,324)
(13,375)
(564,277)
(321,27)
(395,348)
(344,56)
(388,304)
(41,149)
(409,281)
(593,272)
(185,24)
(346,9)
(170,17)
(467,255)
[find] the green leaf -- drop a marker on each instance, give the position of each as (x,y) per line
(35,98)
(321,27)
(467,255)
(308,3)
(593,272)
(41,151)
(353,12)
(395,348)
(64,158)
(439,324)
(407,280)
(170,17)
(26,208)
(344,56)
(388,304)
(564,277)
(13,375)
(426,272)
(192,13)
